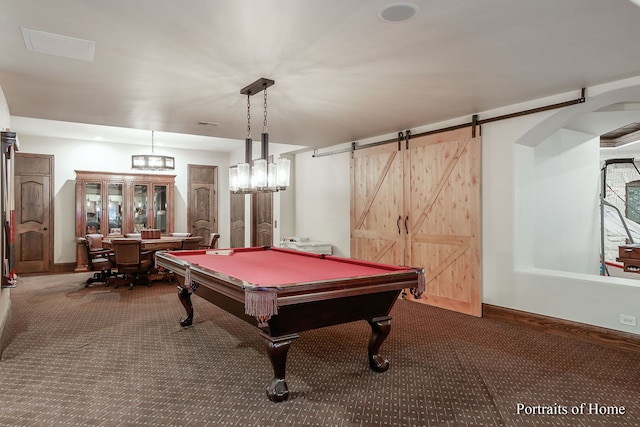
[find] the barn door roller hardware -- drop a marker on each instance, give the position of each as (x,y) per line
(475,123)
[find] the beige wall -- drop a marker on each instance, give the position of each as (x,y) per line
(71,155)
(5,294)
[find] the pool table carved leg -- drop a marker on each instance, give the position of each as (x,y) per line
(380,328)
(185,298)
(277,349)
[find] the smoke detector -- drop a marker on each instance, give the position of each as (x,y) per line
(398,12)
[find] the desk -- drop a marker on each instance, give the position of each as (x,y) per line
(163,243)
(159,244)
(284,292)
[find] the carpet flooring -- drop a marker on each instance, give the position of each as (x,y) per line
(101,356)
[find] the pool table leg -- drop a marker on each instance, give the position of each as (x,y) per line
(277,349)
(380,328)
(185,299)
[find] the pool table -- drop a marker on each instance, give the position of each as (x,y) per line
(284,292)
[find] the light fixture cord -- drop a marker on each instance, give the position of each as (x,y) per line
(152,145)
(248,117)
(264,126)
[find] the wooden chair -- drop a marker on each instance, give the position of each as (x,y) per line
(98,261)
(213,241)
(131,262)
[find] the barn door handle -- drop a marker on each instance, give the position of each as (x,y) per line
(398,223)
(405,224)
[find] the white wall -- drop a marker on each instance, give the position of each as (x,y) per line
(526,250)
(540,230)
(550,216)
(566,201)
(5,117)
(323,188)
(71,155)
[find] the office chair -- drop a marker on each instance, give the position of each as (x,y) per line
(98,261)
(95,243)
(131,262)
(213,240)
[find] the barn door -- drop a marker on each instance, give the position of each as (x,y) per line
(34,246)
(420,206)
(377,220)
(442,180)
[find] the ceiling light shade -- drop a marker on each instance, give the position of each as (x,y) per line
(283,172)
(152,161)
(258,175)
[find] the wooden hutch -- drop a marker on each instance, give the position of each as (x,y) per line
(115,204)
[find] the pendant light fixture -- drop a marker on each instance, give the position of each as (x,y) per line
(152,161)
(260,176)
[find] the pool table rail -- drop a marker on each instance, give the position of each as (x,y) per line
(298,307)
(292,293)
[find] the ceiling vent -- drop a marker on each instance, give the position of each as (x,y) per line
(58,45)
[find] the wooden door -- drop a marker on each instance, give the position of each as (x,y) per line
(262,219)
(442,184)
(202,209)
(34,216)
(377,215)
(236,218)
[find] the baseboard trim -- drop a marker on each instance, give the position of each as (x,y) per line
(60,268)
(580,331)
(63,268)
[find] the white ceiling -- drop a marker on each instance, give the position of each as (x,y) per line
(341,74)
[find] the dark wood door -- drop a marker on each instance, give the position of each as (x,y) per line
(34,216)
(236,218)
(202,209)
(262,219)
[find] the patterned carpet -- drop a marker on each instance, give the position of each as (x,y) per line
(101,356)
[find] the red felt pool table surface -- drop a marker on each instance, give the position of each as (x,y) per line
(276,267)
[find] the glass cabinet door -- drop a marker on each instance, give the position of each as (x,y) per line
(160,207)
(115,209)
(93,191)
(140,205)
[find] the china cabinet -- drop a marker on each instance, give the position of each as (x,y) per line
(115,204)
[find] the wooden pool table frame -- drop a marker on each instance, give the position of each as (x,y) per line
(300,307)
